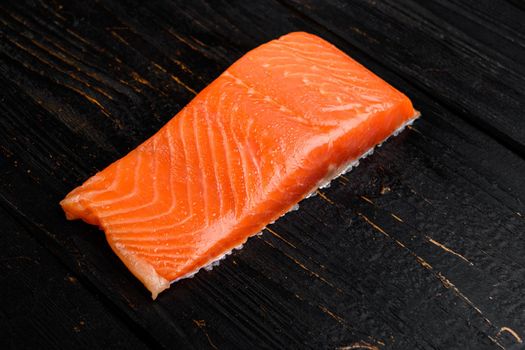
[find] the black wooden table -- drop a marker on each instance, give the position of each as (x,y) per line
(421,247)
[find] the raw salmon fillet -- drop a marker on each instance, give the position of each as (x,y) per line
(285,118)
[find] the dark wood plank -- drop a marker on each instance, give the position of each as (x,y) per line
(419,247)
(496,27)
(442,50)
(44,306)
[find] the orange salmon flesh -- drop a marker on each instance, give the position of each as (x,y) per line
(285,118)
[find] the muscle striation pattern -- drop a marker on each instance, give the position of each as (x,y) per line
(283,119)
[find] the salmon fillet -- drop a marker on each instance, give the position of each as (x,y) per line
(285,118)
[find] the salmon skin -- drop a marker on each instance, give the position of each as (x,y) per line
(284,119)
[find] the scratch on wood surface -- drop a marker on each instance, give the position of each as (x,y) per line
(410,127)
(364,34)
(366,199)
(280,237)
(202,325)
(425,199)
(511,332)
(343,178)
(377,228)
(81,39)
(92,100)
(136,76)
(302,266)
(183,40)
(341,181)
(448,284)
(447,249)
(359,345)
(323,196)
(164,70)
(396,217)
(181,65)
(371,223)
(345,324)
(336,317)
(197,41)
(131,86)
(180,82)
(424,263)
(495,341)
(119,38)
(313,273)
(159,67)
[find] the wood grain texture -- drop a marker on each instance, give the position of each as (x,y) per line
(46,306)
(420,247)
(441,50)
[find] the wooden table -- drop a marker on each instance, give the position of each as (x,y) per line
(421,247)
